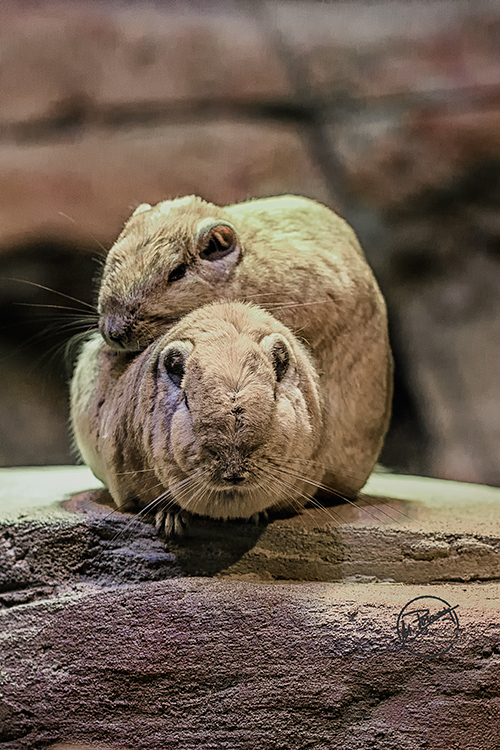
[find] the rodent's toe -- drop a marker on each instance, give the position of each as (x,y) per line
(171,523)
(259,518)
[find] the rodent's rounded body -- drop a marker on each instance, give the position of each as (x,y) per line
(217,412)
(290,255)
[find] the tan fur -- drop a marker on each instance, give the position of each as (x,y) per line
(295,258)
(230,416)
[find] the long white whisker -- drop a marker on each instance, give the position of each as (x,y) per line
(342,496)
(270,479)
(278,306)
(311,462)
(74,310)
(309,498)
(366,499)
(197,493)
(318,485)
(48,289)
(154,503)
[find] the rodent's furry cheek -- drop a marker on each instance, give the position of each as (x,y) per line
(217,272)
(293,418)
(182,439)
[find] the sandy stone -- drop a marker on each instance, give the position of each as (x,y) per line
(404,529)
(213,664)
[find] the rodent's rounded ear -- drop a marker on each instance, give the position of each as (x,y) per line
(140,209)
(173,359)
(277,350)
(215,239)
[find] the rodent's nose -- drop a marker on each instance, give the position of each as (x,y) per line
(114,336)
(114,330)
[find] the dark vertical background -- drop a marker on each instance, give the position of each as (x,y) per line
(387,111)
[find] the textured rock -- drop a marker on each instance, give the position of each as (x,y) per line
(406,529)
(385,49)
(448,332)
(408,92)
(213,664)
(399,153)
(106,644)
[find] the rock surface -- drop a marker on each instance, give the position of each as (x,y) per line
(87,61)
(212,664)
(106,642)
(86,187)
(403,529)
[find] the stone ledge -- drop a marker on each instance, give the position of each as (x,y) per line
(404,529)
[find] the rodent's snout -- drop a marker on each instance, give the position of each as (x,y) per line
(232,469)
(228,467)
(115,330)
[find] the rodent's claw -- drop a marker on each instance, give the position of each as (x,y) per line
(259,518)
(171,524)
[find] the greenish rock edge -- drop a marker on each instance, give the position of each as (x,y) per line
(406,529)
(246,636)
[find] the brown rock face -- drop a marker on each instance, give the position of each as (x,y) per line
(207,664)
(111,639)
(64,61)
(87,187)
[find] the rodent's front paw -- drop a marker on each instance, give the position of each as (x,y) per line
(259,518)
(172,523)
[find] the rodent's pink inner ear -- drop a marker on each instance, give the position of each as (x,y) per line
(174,365)
(280,359)
(218,242)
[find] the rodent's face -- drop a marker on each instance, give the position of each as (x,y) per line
(169,260)
(228,410)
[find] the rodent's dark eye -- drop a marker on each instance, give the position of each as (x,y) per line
(178,273)
(220,241)
(174,366)
(280,359)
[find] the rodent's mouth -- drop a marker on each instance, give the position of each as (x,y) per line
(238,486)
(224,500)
(233,489)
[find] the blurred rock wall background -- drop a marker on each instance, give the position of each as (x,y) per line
(389,112)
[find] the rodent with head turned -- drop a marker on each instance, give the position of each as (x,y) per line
(218,417)
(288,254)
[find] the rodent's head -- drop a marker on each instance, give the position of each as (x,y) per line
(234,394)
(169,259)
